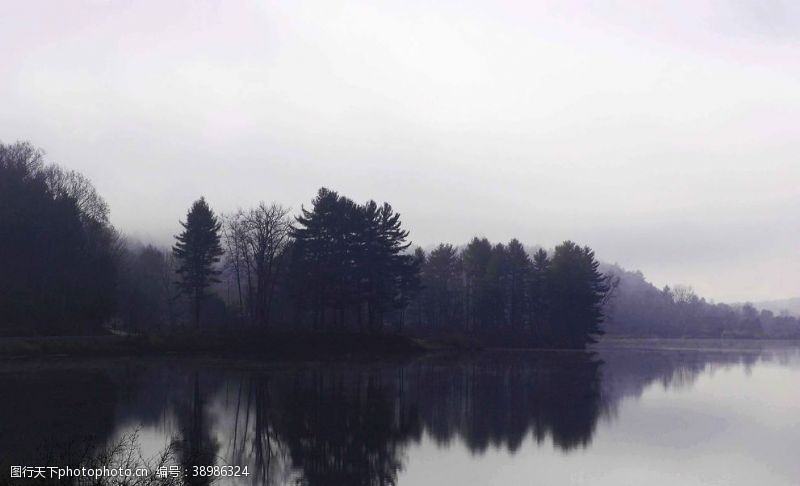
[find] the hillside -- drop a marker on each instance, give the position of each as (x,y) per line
(790,306)
(638,308)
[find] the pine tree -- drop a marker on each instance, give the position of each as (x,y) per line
(443,286)
(577,292)
(322,263)
(198,250)
(519,268)
(400,279)
(476,257)
(497,298)
(539,292)
(350,258)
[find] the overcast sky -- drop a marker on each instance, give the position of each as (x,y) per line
(666,135)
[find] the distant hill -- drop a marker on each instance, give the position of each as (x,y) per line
(638,308)
(792,306)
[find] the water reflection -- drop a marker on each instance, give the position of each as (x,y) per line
(335,424)
(194,443)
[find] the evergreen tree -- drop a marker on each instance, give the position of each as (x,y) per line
(476,257)
(412,311)
(394,273)
(442,282)
(539,292)
(519,270)
(198,250)
(320,257)
(497,299)
(351,259)
(577,293)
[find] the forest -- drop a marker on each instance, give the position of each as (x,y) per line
(642,309)
(336,266)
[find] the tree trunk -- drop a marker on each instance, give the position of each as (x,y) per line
(197,297)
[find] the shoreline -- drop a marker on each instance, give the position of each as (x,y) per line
(275,346)
(311,346)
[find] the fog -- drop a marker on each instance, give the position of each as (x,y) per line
(664,136)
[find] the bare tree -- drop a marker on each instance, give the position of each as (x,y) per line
(683,294)
(72,184)
(255,240)
(236,258)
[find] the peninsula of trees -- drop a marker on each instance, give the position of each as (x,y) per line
(336,266)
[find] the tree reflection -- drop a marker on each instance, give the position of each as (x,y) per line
(54,417)
(351,425)
(499,399)
(344,430)
(339,424)
(195,445)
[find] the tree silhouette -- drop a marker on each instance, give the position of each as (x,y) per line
(540,271)
(148,294)
(198,250)
(315,259)
(257,240)
(339,265)
(498,295)
(57,250)
(476,260)
(351,259)
(519,272)
(577,292)
(441,298)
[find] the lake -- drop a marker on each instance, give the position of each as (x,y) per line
(636,413)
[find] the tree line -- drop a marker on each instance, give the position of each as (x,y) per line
(640,309)
(57,248)
(338,266)
(504,292)
(344,266)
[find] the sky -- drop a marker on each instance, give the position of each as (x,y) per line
(665,135)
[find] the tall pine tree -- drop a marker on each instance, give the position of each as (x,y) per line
(577,290)
(351,259)
(198,250)
(519,270)
(540,293)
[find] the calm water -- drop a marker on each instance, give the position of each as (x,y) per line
(617,416)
